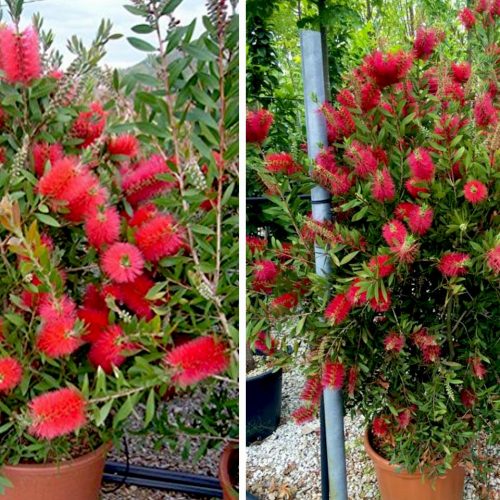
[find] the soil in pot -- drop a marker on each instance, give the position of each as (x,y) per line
(78,479)
(396,485)
(263,404)
(229,472)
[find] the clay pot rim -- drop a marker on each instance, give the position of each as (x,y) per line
(64,464)
(265,374)
(225,458)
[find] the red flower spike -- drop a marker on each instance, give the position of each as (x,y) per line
(407,251)
(55,181)
(404,418)
(475,192)
(485,113)
(124,145)
(468,398)
(421,164)
(89,125)
(431,353)
(265,343)
(53,309)
(425,42)
(42,153)
(383,188)
(403,210)
(333,375)
(362,157)
(11,373)
(370,97)
(420,220)
(258,124)
(281,163)
(57,413)
(103,227)
(20,55)
(354,294)
(58,338)
(122,262)
(387,69)
(394,342)
(380,303)
(197,360)
(284,302)
(467,18)
(414,187)
(379,427)
(493,259)
(381,266)
(311,391)
(394,233)
(352,377)
(477,367)
(338,309)
(265,271)
(256,244)
(346,98)
(96,321)
(454,264)
(304,414)
(143,214)
(461,72)
(160,237)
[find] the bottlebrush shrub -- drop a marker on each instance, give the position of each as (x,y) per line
(118,236)
(406,323)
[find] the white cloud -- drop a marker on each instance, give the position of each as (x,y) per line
(82,17)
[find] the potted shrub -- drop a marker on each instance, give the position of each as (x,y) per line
(406,323)
(113,228)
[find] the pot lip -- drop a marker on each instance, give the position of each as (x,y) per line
(267,373)
(229,450)
(88,457)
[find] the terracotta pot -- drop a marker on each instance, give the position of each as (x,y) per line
(78,479)
(228,472)
(403,485)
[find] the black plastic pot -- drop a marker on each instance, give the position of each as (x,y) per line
(263,404)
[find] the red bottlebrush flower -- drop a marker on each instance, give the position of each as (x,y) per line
(265,343)
(380,303)
(160,237)
(425,42)
(394,342)
(420,220)
(407,251)
(337,180)
(143,214)
(352,378)
(55,181)
(394,233)
(414,187)
(454,264)
(346,98)
(258,124)
(103,227)
(354,294)
(57,413)
(461,72)
(122,262)
(333,375)
(197,360)
(339,122)
(475,192)
(20,55)
(468,397)
(381,266)
(403,210)
(455,92)
(2,155)
(485,113)
(43,152)
(133,295)
(282,163)
(449,126)
(58,338)
(383,188)
(124,145)
(370,97)
(326,159)
(96,321)
(284,302)
(93,298)
(431,353)
(362,158)
(493,259)
(56,308)
(404,418)
(467,18)
(421,164)
(387,69)
(89,125)
(432,81)
(11,373)
(256,244)
(265,271)
(142,183)
(338,309)
(311,391)
(477,367)
(304,414)
(379,427)
(110,349)
(83,196)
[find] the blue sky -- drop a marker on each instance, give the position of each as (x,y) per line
(82,17)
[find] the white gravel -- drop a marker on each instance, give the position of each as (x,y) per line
(286,465)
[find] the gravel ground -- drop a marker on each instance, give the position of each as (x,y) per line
(142,452)
(286,465)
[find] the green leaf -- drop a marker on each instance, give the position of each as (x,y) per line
(48,220)
(150,407)
(200,53)
(140,44)
(170,6)
(142,29)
